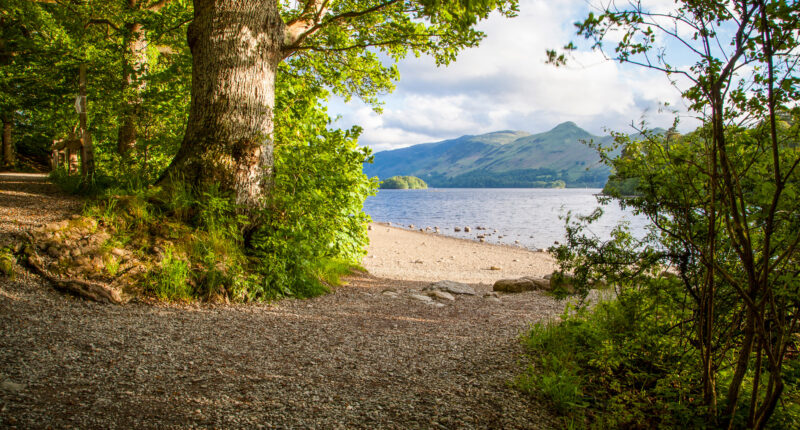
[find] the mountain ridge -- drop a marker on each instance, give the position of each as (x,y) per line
(504,158)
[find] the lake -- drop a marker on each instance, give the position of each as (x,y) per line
(528,215)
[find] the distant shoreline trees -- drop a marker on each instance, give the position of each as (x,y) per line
(403,183)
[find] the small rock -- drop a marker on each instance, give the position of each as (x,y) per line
(516,260)
(521,284)
(491,294)
(443,295)
(451,287)
(467,229)
(53,251)
(482,240)
(117,252)
(369,227)
(411,226)
(421,298)
(439,305)
(11,386)
(53,226)
(493,299)
(391,294)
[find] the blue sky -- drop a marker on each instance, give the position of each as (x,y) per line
(505,84)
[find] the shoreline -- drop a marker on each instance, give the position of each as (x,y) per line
(464,239)
(410,255)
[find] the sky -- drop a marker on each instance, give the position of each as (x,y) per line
(504,84)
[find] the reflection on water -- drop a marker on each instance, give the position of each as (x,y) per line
(530,216)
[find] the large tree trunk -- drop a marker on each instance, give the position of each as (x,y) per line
(9,156)
(236,48)
(134,68)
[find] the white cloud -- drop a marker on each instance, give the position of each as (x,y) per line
(505,84)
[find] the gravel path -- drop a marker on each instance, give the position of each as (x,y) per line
(357,358)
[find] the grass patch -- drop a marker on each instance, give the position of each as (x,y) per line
(7,262)
(331,270)
(170,280)
(193,249)
(626,364)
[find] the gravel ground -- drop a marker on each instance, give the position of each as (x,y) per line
(356,358)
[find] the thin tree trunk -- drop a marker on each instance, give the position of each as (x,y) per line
(87,150)
(9,155)
(740,371)
(134,68)
(236,47)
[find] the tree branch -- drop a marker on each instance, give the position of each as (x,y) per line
(299,30)
(101,21)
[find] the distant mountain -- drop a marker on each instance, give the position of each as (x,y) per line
(513,159)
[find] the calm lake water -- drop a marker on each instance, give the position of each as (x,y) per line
(530,216)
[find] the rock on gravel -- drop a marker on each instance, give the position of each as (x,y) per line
(443,295)
(12,387)
(451,287)
(420,297)
(521,285)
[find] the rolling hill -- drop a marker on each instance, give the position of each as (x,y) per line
(513,159)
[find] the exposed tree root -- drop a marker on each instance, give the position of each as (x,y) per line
(89,290)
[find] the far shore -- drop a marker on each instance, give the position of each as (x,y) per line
(397,253)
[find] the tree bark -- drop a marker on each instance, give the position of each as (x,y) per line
(134,68)
(9,155)
(236,48)
(87,149)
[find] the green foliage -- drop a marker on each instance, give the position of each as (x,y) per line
(404,183)
(170,281)
(315,211)
(622,364)
(313,215)
(721,200)
(7,262)
(621,187)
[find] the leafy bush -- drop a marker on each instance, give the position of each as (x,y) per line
(622,364)
(314,215)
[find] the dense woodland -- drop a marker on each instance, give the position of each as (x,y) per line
(201,130)
(212,114)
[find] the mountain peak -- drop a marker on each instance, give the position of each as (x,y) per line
(568,125)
